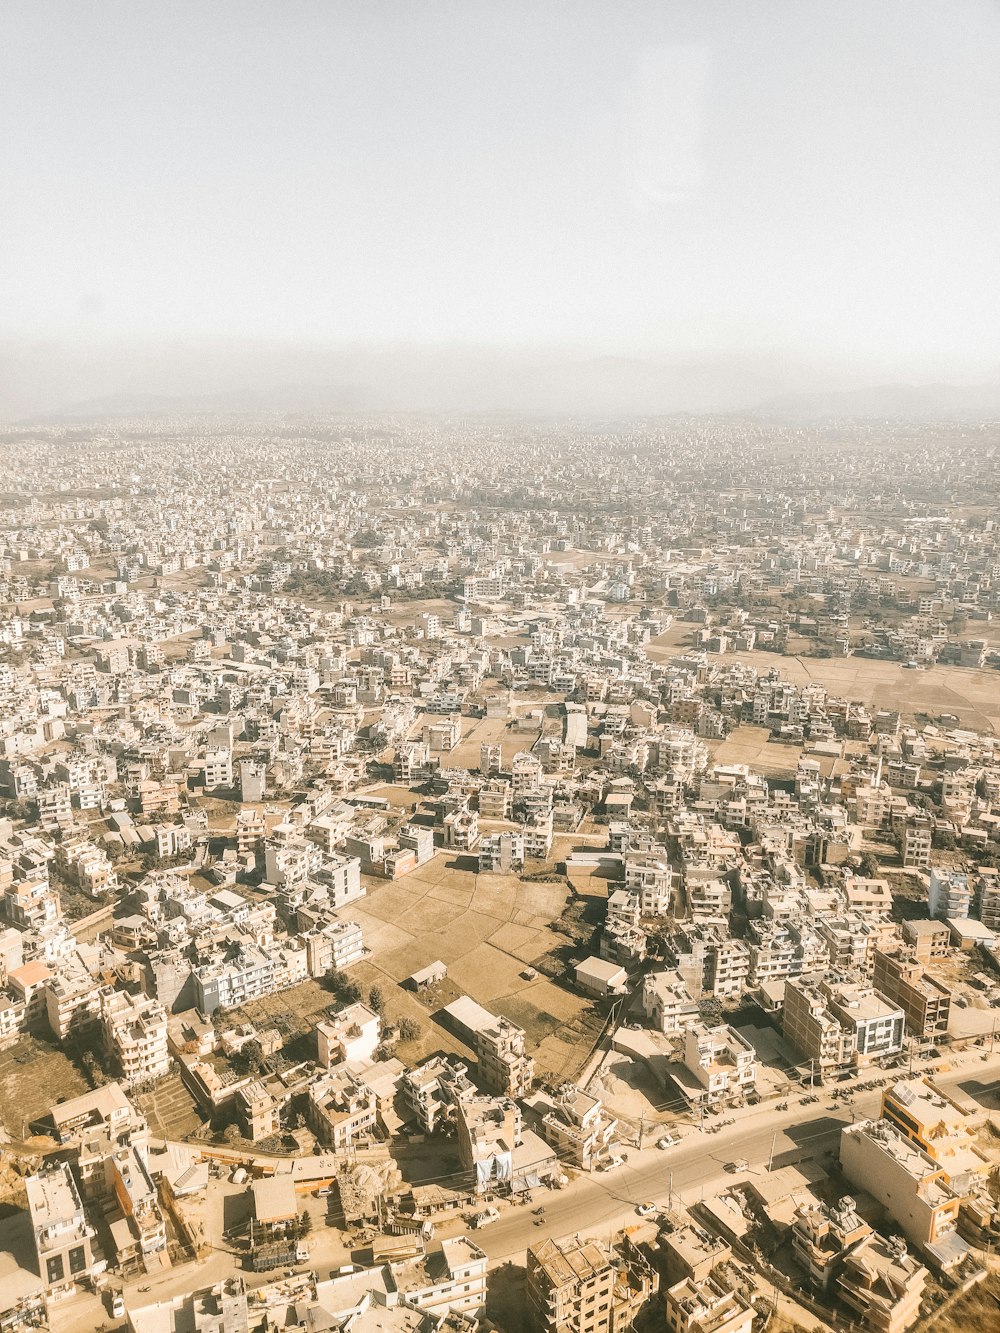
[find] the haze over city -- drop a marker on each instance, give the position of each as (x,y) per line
(650,206)
(499,667)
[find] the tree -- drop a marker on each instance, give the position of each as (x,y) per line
(376,1000)
(870,865)
(231,1133)
(252,1055)
(305,1223)
(336,980)
(351,993)
(409,1029)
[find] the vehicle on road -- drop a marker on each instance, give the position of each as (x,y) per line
(668,1141)
(484,1218)
(740,1164)
(645,1209)
(117,1306)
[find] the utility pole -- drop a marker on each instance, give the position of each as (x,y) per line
(770,1156)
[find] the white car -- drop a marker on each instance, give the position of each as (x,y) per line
(668,1141)
(117,1306)
(645,1209)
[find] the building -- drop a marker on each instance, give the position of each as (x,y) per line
(135,1032)
(449,1279)
(909,1184)
(667,1003)
(916,842)
(576,1124)
(650,878)
(598,977)
(218,1309)
(333,946)
(835,1023)
(949,894)
(488,1130)
(723,1063)
(584,1286)
(945,1130)
(341,1109)
(501,854)
(706,1306)
(432,1091)
(64,1239)
(822,1234)
(352,1033)
(925,1002)
(883,1283)
(504,1065)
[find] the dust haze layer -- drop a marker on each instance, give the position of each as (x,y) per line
(598,208)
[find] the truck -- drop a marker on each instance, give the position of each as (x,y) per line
(484,1218)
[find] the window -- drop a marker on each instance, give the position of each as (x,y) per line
(54,1268)
(77,1259)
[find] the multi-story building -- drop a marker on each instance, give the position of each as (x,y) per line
(576,1124)
(333,946)
(925,1001)
(945,1130)
(504,1065)
(488,1130)
(650,878)
(722,1062)
(706,1306)
(449,1279)
(909,1184)
(835,1022)
(135,1032)
(667,1003)
(949,894)
(915,844)
(432,1091)
(352,1033)
(501,854)
(341,1108)
(812,1028)
(64,1239)
(584,1286)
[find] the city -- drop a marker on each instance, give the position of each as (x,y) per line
(465,874)
(500,666)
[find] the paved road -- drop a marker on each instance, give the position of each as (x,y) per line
(602,1203)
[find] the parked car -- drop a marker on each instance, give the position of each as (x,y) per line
(117,1306)
(645,1209)
(668,1141)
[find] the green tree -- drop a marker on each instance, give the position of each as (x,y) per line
(252,1055)
(409,1029)
(376,1000)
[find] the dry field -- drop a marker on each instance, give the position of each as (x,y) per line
(753,746)
(488,929)
(477,731)
(973,696)
(34,1075)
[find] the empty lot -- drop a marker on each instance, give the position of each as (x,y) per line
(488,929)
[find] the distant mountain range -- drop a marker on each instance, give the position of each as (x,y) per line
(908,401)
(46,385)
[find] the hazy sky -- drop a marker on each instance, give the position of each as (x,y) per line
(627,177)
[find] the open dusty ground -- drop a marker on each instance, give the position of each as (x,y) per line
(972,695)
(477,731)
(753,746)
(488,929)
(33,1077)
